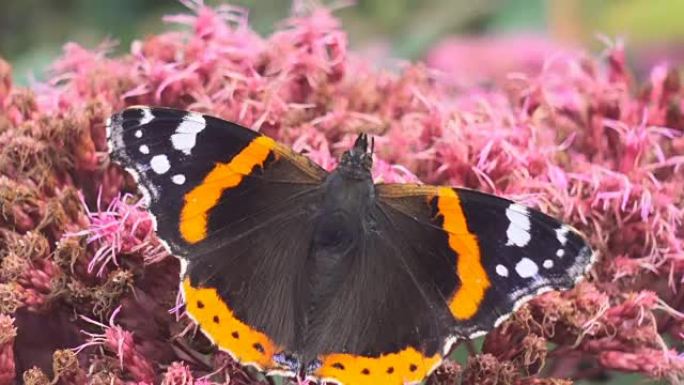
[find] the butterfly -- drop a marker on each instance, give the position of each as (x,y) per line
(302,272)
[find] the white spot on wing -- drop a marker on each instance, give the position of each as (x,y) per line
(144,149)
(518,231)
(526,268)
(138,134)
(146,118)
(178,179)
(160,164)
(186,133)
(501,270)
(448,344)
(562,234)
(560,253)
(183,266)
(548,264)
(108,127)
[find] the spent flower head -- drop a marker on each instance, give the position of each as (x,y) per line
(579,136)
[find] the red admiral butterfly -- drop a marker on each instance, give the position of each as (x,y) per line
(302,272)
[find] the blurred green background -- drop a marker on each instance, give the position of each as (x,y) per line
(32,33)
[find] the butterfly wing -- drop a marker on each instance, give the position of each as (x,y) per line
(505,252)
(440,264)
(386,321)
(236,207)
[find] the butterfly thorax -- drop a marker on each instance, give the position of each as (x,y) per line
(348,194)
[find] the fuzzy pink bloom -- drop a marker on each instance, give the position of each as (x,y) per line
(120,342)
(178,374)
(472,60)
(577,136)
(121,228)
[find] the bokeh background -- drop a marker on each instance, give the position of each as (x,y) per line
(32,32)
(514,35)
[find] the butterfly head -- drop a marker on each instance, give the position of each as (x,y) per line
(358,161)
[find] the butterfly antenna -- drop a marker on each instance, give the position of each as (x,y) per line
(361,143)
(372,145)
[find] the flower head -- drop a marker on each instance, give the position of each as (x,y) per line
(578,136)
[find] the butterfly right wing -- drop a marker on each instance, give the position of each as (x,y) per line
(438,264)
(505,253)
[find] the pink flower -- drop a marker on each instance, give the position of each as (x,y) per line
(120,342)
(577,136)
(472,60)
(122,228)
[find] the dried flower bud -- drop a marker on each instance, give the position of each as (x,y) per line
(35,376)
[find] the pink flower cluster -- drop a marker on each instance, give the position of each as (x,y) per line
(581,138)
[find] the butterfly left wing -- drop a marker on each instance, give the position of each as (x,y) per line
(505,252)
(235,206)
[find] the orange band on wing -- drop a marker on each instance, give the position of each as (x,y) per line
(245,344)
(406,366)
(474,280)
(200,200)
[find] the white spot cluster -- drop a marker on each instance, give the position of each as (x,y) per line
(518,234)
(185,137)
(518,231)
(562,237)
(525,268)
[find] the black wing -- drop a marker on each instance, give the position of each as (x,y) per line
(440,264)
(505,252)
(236,206)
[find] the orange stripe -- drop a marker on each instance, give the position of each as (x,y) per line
(245,344)
(200,200)
(406,366)
(474,280)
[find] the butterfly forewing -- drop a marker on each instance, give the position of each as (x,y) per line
(505,252)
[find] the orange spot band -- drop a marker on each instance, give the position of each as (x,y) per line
(245,344)
(474,280)
(406,366)
(200,200)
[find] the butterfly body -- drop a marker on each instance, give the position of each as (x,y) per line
(298,271)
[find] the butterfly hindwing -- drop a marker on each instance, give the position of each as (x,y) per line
(386,321)
(233,204)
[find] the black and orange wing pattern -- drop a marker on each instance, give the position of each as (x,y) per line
(505,252)
(231,203)
(441,264)
(289,272)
